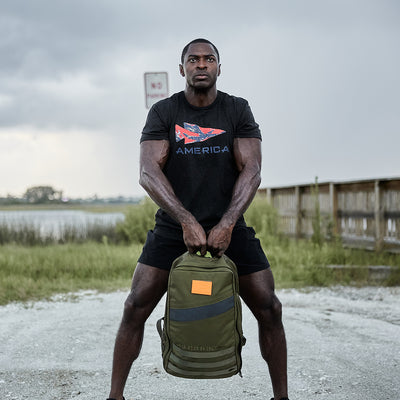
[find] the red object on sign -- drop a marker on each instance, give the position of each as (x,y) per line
(156,87)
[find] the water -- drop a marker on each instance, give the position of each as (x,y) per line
(54,222)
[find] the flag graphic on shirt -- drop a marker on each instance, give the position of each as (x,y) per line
(193,133)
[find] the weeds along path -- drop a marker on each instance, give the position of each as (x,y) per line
(342,343)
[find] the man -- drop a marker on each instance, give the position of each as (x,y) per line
(200,162)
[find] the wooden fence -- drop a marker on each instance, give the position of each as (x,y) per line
(363,213)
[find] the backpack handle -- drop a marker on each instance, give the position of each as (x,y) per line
(207,255)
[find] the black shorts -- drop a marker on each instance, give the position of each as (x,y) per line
(244,250)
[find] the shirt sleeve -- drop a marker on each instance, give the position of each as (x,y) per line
(155,128)
(247,127)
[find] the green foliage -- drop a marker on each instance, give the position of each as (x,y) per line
(263,217)
(10,201)
(32,272)
(25,234)
(29,235)
(42,194)
(29,273)
(138,220)
(94,231)
(317,236)
(322,224)
(299,263)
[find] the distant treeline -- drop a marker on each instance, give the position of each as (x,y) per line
(49,195)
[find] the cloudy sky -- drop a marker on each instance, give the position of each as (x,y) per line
(322,79)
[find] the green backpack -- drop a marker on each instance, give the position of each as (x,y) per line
(202,334)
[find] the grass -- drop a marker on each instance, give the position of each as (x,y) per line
(31,273)
(28,234)
(304,263)
(40,271)
(300,263)
(139,218)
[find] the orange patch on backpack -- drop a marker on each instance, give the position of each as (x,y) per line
(202,287)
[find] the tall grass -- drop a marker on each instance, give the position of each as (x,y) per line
(298,263)
(28,234)
(28,273)
(138,220)
(100,257)
(304,263)
(263,217)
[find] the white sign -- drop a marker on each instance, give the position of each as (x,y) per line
(156,87)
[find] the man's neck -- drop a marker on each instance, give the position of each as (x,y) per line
(200,98)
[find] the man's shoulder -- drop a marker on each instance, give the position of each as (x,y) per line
(164,109)
(169,101)
(241,115)
(230,99)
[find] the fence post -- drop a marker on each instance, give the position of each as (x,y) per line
(333,203)
(269,195)
(298,211)
(379,221)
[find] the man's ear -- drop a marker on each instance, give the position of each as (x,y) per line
(182,72)
(219,69)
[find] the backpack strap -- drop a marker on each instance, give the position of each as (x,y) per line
(159,327)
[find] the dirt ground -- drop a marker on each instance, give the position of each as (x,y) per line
(343,343)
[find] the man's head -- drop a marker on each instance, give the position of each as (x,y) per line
(185,49)
(200,65)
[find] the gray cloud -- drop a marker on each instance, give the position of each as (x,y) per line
(320,76)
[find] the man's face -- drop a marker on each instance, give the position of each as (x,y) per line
(200,66)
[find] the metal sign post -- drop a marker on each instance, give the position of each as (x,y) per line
(156,87)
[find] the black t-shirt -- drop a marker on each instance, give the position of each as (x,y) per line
(201,166)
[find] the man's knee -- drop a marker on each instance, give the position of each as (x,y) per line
(148,286)
(269,311)
(133,310)
(137,308)
(276,308)
(132,303)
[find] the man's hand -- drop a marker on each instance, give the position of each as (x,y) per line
(194,237)
(218,239)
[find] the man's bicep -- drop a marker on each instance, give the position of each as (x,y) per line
(247,151)
(154,152)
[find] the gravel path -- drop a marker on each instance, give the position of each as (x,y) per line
(343,343)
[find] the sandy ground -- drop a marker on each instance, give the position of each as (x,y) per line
(343,343)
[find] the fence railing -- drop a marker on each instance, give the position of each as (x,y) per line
(363,213)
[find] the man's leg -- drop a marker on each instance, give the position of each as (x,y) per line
(148,286)
(257,291)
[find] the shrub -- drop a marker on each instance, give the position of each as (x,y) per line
(138,220)
(263,217)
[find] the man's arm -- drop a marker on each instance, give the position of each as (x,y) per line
(153,156)
(247,152)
